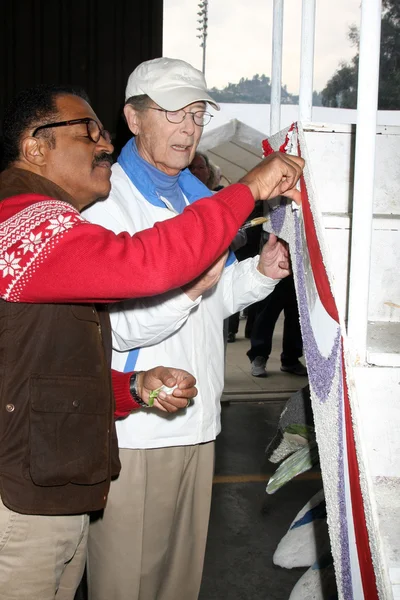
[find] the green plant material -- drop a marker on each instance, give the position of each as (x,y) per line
(154,393)
(296,441)
(306,431)
(296,463)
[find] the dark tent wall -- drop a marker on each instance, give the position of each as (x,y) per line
(92,43)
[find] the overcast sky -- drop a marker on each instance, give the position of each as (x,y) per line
(239,39)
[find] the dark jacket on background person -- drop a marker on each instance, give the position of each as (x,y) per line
(252,246)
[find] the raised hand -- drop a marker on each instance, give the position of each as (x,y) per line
(180,398)
(274,258)
(276,175)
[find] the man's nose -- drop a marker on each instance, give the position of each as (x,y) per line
(106,146)
(188,123)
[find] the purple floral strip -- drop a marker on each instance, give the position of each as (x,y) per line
(321,370)
(278,215)
(321,373)
(347,584)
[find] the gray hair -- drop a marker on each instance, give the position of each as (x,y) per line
(140,102)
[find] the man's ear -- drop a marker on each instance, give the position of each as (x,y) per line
(34,151)
(132,117)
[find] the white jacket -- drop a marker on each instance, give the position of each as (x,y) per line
(172,330)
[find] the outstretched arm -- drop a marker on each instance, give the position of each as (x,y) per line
(50,254)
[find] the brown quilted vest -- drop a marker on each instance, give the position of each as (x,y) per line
(58,446)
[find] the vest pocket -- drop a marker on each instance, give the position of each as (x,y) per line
(69,430)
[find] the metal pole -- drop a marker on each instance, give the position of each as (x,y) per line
(203,22)
(307,60)
(276,69)
(204,54)
(364,175)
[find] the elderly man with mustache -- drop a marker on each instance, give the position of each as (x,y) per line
(58,272)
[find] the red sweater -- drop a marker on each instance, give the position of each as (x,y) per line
(50,253)
(124,403)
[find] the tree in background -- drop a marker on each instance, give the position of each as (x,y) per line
(255,91)
(341,89)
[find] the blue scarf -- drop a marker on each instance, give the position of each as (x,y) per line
(141,174)
(138,171)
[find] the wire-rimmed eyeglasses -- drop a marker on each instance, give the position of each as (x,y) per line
(94,131)
(200,117)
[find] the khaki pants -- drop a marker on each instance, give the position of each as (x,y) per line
(41,558)
(150,543)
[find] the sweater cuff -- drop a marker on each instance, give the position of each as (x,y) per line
(124,403)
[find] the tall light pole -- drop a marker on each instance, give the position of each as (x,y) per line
(203,22)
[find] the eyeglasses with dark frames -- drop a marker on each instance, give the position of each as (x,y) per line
(200,117)
(94,132)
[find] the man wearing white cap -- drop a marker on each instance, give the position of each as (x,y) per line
(150,542)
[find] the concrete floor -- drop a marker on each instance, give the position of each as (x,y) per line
(246,524)
(239,383)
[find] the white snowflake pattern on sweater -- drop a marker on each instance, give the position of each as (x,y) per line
(28,237)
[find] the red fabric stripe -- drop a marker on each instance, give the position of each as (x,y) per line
(267,148)
(317,264)
(368,577)
(325,294)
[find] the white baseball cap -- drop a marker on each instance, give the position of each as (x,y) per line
(169,82)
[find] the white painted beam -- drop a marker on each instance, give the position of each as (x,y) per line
(364,176)
(276,70)
(307,60)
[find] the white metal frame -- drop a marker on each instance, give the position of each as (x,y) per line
(276,70)
(367,106)
(364,175)
(307,60)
